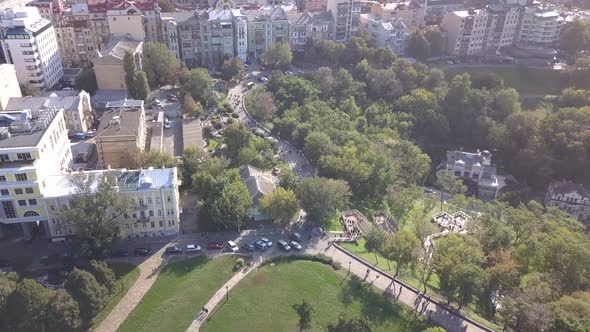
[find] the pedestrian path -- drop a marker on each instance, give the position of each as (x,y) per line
(148,273)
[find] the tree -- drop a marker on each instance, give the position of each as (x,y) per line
(403,247)
(349,324)
(264,107)
(29,91)
(63,313)
(449,184)
(288,179)
(400,199)
(236,137)
(375,239)
(435,39)
(232,206)
(278,56)
(157,159)
(191,107)
(160,65)
(321,197)
(166,6)
(317,144)
(8,282)
(196,83)
(281,205)
(129,68)
(418,45)
(193,157)
(90,295)
(232,68)
(572,97)
(140,86)
(103,274)
(86,81)
(95,206)
(435,329)
(572,312)
(575,36)
(27,306)
(304,311)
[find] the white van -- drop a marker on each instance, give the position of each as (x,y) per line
(167,124)
(233,246)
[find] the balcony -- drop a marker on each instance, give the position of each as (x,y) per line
(143,219)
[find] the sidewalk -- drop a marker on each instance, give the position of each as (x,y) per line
(143,283)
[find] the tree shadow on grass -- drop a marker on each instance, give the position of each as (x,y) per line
(185,266)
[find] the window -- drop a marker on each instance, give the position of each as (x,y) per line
(32,201)
(159,212)
(18,191)
(29,190)
(21,177)
(167,198)
(126,226)
(161,223)
(151,213)
(2,178)
(8,210)
(135,225)
(153,224)
(24,156)
(22,202)
(157,199)
(52,208)
(149,200)
(4,192)
(4,157)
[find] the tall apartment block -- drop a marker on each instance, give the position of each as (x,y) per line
(266,27)
(29,42)
(8,85)
(346,14)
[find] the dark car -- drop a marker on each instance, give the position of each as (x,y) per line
(173,250)
(142,251)
(171,97)
(283,245)
(249,247)
(260,244)
(214,245)
(295,245)
(120,253)
(295,237)
(266,241)
(4,262)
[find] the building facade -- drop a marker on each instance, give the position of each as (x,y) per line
(346,15)
(312,5)
(78,45)
(108,66)
(121,134)
(29,42)
(152,196)
(411,13)
(389,33)
(266,27)
(8,85)
(476,167)
(539,28)
(437,9)
(571,198)
(309,27)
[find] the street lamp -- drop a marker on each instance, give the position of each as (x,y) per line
(349,262)
(226,293)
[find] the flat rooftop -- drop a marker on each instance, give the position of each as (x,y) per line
(22,129)
(126,180)
(121,121)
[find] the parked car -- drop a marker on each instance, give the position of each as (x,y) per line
(295,245)
(173,250)
(214,245)
(171,97)
(295,236)
(319,231)
(262,78)
(233,246)
(120,253)
(167,124)
(289,73)
(260,244)
(142,251)
(192,248)
(283,245)
(90,133)
(249,247)
(267,241)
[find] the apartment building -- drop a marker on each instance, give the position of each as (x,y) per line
(479,32)
(127,21)
(411,13)
(8,85)
(29,42)
(45,9)
(309,27)
(312,5)
(191,26)
(436,10)
(266,27)
(152,194)
(346,15)
(228,36)
(121,134)
(108,66)
(389,33)
(33,145)
(476,167)
(170,34)
(77,42)
(539,28)
(569,197)
(78,113)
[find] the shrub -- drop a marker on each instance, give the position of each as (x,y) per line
(230,120)
(304,257)
(235,115)
(240,262)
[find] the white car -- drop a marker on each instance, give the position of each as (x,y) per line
(193,248)
(233,246)
(167,124)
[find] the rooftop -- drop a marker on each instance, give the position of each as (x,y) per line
(53,101)
(19,19)
(121,120)
(310,18)
(24,128)
(100,6)
(225,14)
(565,187)
(273,13)
(127,180)
(468,159)
(118,45)
(258,183)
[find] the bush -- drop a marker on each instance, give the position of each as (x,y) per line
(304,257)
(217,124)
(207,131)
(230,121)
(235,115)
(240,262)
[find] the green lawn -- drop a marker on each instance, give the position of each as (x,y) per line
(126,275)
(538,81)
(265,300)
(176,297)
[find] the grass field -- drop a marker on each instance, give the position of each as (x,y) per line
(265,300)
(527,81)
(126,275)
(176,297)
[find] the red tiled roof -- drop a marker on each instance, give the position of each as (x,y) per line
(100,6)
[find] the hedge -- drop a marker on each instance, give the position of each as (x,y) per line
(305,257)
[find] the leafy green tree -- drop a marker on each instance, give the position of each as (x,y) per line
(400,199)
(26,306)
(157,159)
(196,83)
(232,206)
(575,36)
(192,157)
(232,68)
(191,107)
(140,86)
(129,68)
(63,313)
(418,45)
(86,81)
(160,65)
(572,97)
(404,248)
(90,295)
(281,205)
(572,312)
(435,39)
(305,312)
(103,274)
(166,6)
(375,239)
(321,197)
(449,184)
(264,107)
(278,56)
(317,144)
(288,179)
(94,208)
(350,324)
(434,329)
(236,137)
(8,282)
(470,281)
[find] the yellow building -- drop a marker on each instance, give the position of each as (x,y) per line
(152,193)
(108,67)
(33,145)
(127,21)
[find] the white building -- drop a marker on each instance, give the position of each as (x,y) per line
(170,34)
(29,43)
(476,167)
(571,198)
(411,13)
(386,33)
(540,29)
(346,14)
(8,85)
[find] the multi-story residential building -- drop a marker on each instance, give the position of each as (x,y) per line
(29,42)
(33,145)
(127,21)
(312,5)
(386,32)
(266,27)
(108,66)
(436,10)
(228,35)
(346,15)
(77,43)
(121,134)
(170,34)
(152,195)
(571,198)
(539,28)
(191,25)
(480,32)
(410,12)
(8,85)
(78,112)
(45,9)
(309,27)
(476,167)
